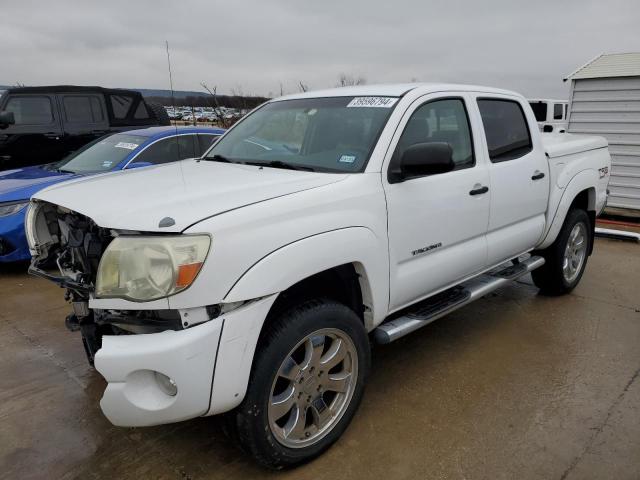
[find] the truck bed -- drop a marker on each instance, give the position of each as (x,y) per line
(561,144)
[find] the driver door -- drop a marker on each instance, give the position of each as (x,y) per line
(437,224)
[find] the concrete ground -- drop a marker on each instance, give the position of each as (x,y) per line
(514,386)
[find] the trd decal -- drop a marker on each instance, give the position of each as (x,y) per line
(604,171)
(426,249)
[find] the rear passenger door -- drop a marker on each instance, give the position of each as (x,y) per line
(519,177)
(83,117)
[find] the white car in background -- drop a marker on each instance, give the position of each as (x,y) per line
(551,115)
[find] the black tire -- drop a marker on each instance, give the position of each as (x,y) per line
(159,113)
(249,423)
(550,278)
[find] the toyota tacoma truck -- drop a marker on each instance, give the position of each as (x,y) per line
(253,280)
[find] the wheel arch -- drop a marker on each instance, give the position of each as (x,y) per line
(579,193)
(344,254)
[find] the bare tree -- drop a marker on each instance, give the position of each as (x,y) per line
(345,80)
(281,89)
(238,91)
(303,86)
(220,114)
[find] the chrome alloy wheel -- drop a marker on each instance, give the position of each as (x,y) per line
(575,252)
(313,388)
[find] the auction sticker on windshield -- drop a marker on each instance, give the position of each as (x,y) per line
(372,102)
(128,146)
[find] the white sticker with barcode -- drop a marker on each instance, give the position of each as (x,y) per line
(128,146)
(372,102)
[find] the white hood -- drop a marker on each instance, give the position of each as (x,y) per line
(187,191)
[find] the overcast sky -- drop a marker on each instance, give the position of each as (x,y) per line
(254,45)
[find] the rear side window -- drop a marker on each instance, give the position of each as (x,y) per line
(120,105)
(505,128)
(557,111)
(169,150)
(31,110)
(205,141)
(141,112)
(440,121)
(82,109)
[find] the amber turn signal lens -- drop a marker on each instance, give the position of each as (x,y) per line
(187,274)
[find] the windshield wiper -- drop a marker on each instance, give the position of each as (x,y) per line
(281,164)
(218,158)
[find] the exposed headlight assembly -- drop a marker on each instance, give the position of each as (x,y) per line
(10,208)
(144,268)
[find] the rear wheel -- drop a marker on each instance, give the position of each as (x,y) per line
(566,258)
(306,383)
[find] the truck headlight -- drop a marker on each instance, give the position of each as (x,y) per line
(144,268)
(10,208)
(31,228)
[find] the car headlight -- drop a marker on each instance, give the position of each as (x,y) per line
(10,208)
(144,268)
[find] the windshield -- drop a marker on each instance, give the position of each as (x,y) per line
(102,155)
(321,134)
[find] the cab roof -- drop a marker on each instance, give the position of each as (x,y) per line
(393,90)
(71,89)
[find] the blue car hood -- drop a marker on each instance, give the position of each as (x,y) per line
(21,183)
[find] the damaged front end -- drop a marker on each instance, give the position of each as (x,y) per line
(66,248)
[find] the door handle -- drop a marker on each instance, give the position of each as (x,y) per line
(479,191)
(537,176)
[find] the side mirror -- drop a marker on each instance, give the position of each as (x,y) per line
(423,159)
(547,129)
(138,165)
(6,119)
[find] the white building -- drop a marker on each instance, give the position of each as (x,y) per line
(605,100)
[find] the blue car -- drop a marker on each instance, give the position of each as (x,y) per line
(132,149)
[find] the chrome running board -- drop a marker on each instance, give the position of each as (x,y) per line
(426,311)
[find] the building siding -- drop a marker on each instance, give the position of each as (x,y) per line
(611,107)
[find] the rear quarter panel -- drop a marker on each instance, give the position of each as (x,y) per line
(572,174)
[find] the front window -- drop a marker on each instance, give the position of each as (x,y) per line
(334,134)
(31,110)
(102,155)
(557,111)
(539,110)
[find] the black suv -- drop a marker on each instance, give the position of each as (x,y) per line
(44,124)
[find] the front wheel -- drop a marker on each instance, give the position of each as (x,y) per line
(306,383)
(566,258)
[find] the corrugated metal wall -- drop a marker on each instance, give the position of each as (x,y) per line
(611,107)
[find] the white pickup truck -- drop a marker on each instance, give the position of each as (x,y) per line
(252,280)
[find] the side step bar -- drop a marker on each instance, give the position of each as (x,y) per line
(426,311)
